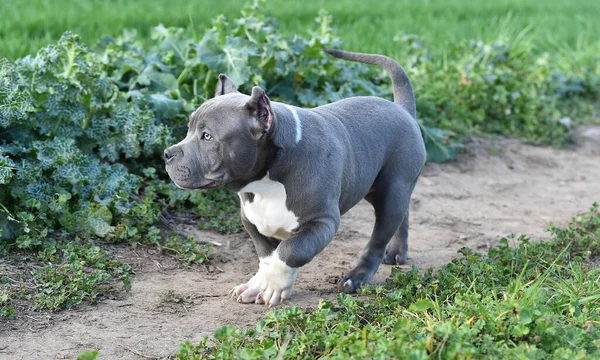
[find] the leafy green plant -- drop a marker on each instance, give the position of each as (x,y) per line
(581,235)
(170,296)
(88,355)
(62,274)
(186,249)
(178,73)
(63,151)
(6,308)
(504,88)
(77,272)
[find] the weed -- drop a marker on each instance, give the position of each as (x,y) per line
(79,272)
(6,308)
(186,249)
(88,355)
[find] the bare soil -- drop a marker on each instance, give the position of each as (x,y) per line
(496,188)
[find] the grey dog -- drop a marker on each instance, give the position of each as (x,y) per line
(297,171)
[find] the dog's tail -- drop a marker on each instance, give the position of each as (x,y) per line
(401,86)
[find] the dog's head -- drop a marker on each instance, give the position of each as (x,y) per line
(225,141)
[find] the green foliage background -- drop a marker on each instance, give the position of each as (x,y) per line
(555,25)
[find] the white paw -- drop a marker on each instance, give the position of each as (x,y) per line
(278,281)
(271,285)
(248,292)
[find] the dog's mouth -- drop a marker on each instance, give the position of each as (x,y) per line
(210,185)
(181,177)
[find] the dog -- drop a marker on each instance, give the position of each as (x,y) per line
(297,171)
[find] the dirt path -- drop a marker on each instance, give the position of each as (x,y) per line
(497,188)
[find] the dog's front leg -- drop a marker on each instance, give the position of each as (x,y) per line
(291,254)
(265,247)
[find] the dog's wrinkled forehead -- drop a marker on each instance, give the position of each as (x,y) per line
(203,114)
(222,110)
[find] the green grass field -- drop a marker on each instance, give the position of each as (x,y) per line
(28,25)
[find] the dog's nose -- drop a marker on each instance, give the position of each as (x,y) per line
(169,154)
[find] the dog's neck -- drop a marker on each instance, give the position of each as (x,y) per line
(281,136)
(286,131)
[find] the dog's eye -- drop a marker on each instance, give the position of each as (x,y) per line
(206,136)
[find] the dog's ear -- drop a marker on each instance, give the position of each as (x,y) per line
(260,110)
(225,86)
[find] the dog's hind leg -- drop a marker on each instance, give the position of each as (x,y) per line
(390,202)
(397,249)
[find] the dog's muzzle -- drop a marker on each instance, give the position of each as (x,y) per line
(171,153)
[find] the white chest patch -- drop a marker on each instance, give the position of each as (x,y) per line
(268,210)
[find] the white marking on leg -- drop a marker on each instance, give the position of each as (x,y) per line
(272,283)
(298,123)
(279,281)
(268,210)
(248,292)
